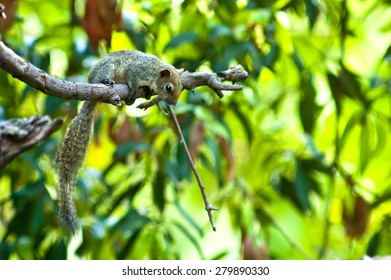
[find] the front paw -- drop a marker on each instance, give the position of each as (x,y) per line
(108,82)
(148,104)
(145,105)
(131,98)
(148,93)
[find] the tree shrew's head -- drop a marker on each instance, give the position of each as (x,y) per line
(170,85)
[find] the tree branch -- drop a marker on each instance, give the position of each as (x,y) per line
(19,135)
(42,81)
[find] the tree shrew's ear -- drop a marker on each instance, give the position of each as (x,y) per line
(165,73)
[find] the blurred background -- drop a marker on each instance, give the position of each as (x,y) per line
(298,163)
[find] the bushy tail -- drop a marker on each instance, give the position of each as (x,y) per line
(70,158)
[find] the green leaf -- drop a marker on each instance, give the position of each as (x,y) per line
(131,191)
(309,110)
(244,120)
(303,183)
(302,188)
(124,250)
(24,248)
(364,148)
(159,185)
(138,35)
(182,165)
(293,190)
(5,250)
(312,11)
(220,256)
(336,92)
(314,164)
(315,153)
(38,216)
(30,191)
(188,218)
(385,197)
(181,39)
(218,31)
(257,60)
(373,245)
(216,156)
(353,121)
(381,135)
(272,56)
(346,84)
(131,148)
(52,105)
(57,251)
(132,222)
(298,61)
(351,86)
(193,240)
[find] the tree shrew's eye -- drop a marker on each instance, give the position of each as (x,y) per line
(168,88)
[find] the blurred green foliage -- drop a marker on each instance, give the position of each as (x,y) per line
(298,162)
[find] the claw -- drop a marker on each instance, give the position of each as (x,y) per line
(161,110)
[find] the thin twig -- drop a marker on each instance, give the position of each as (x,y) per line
(208,207)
